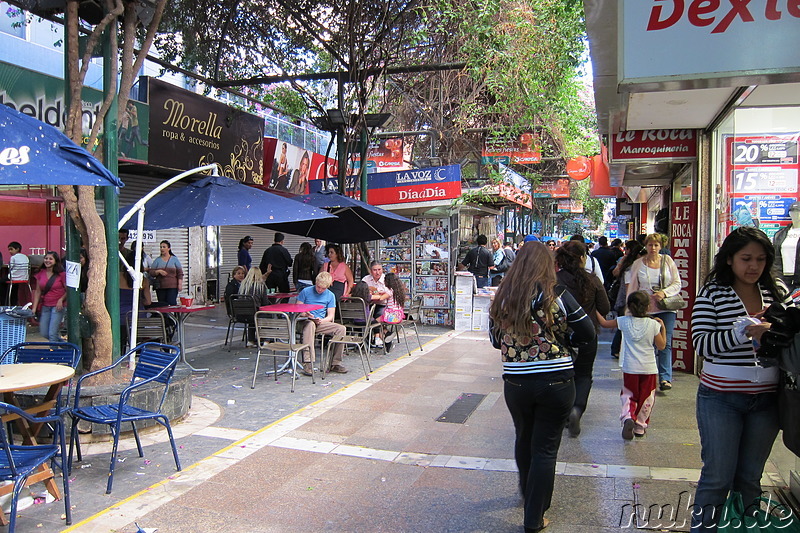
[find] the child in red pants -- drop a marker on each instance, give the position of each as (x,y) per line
(640,333)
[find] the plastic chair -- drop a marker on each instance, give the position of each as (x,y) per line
(243,310)
(274,334)
(18,461)
(156,363)
(59,353)
(356,317)
(151,326)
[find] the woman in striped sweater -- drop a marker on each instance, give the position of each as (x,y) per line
(534,324)
(737,412)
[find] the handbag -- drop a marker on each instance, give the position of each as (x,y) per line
(736,519)
(669,303)
(392,315)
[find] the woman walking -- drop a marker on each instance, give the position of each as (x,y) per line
(51,291)
(737,412)
(167,274)
(657,275)
(533,325)
(589,292)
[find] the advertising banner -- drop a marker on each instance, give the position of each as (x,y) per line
(289,167)
(654,145)
(188,130)
(761,180)
(435,183)
(42,97)
(552,189)
(522,150)
(671,39)
(683,247)
(382,154)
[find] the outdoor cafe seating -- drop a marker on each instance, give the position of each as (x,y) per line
(355,317)
(276,337)
(155,364)
(243,308)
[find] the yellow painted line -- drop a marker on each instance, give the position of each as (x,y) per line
(236,444)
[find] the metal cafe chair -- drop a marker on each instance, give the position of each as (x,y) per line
(355,317)
(243,310)
(413,316)
(156,364)
(150,326)
(276,338)
(19,461)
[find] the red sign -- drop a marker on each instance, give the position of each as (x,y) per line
(383,153)
(523,150)
(552,189)
(683,247)
(579,168)
(654,145)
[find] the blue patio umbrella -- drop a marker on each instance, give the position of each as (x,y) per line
(220,201)
(355,221)
(33,153)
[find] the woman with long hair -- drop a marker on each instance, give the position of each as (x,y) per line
(254,285)
(657,275)
(589,292)
(534,325)
(633,249)
(51,291)
(304,267)
(339,269)
(737,411)
(167,274)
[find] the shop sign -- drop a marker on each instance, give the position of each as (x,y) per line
(654,145)
(425,184)
(552,189)
(563,206)
(523,150)
(671,39)
(761,179)
(683,247)
(382,154)
(188,130)
(42,97)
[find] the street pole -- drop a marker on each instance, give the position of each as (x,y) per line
(363,169)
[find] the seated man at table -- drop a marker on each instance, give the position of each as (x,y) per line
(321,321)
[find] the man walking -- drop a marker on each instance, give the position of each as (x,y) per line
(606,258)
(478,260)
(275,265)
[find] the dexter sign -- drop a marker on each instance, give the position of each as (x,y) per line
(663,145)
(436,183)
(717,15)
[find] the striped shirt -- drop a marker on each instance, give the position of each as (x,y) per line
(548,351)
(730,363)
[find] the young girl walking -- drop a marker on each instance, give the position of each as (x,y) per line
(638,362)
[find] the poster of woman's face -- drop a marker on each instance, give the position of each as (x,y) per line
(291,169)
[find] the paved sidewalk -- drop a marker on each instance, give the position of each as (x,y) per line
(357,455)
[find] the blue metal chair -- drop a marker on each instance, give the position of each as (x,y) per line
(18,461)
(156,363)
(59,353)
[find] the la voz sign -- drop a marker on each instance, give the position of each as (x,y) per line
(435,183)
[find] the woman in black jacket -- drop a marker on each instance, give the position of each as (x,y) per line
(589,292)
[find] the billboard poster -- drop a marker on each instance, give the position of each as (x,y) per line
(552,189)
(290,168)
(188,130)
(761,181)
(42,97)
(683,247)
(382,155)
(523,149)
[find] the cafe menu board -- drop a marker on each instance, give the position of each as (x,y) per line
(761,173)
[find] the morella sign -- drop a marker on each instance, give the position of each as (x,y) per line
(692,39)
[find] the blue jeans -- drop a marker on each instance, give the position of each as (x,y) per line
(737,431)
(50,323)
(167,296)
(664,357)
(482,281)
(539,407)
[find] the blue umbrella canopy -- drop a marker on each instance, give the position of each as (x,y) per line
(33,153)
(220,201)
(355,221)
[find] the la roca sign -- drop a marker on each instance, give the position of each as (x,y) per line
(718,14)
(15,156)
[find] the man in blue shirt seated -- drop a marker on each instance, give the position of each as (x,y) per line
(321,321)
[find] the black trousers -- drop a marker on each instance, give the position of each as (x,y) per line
(280,282)
(539,407)
(584,366)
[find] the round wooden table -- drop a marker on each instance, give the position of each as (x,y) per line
(33,375)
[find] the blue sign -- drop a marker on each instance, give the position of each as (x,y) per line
(772,208)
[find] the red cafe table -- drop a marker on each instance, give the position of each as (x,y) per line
(181,313)
(294,311)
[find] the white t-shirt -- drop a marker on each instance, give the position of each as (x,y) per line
(18,267)
(593,267)
(789,249)
(638,354)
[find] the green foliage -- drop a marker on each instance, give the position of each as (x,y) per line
(592,207)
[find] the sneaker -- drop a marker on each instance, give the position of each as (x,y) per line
(627,429)
(574,424)
(639,430)
(307,369)
(665,385)
(338,369)
(377,341)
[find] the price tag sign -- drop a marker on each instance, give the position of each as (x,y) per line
(147,235)
(764,180)
(767,152)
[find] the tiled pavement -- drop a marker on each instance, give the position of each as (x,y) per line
(354,455)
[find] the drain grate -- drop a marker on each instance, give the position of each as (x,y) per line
(459,410)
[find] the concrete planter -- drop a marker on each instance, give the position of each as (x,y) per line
(176,405)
